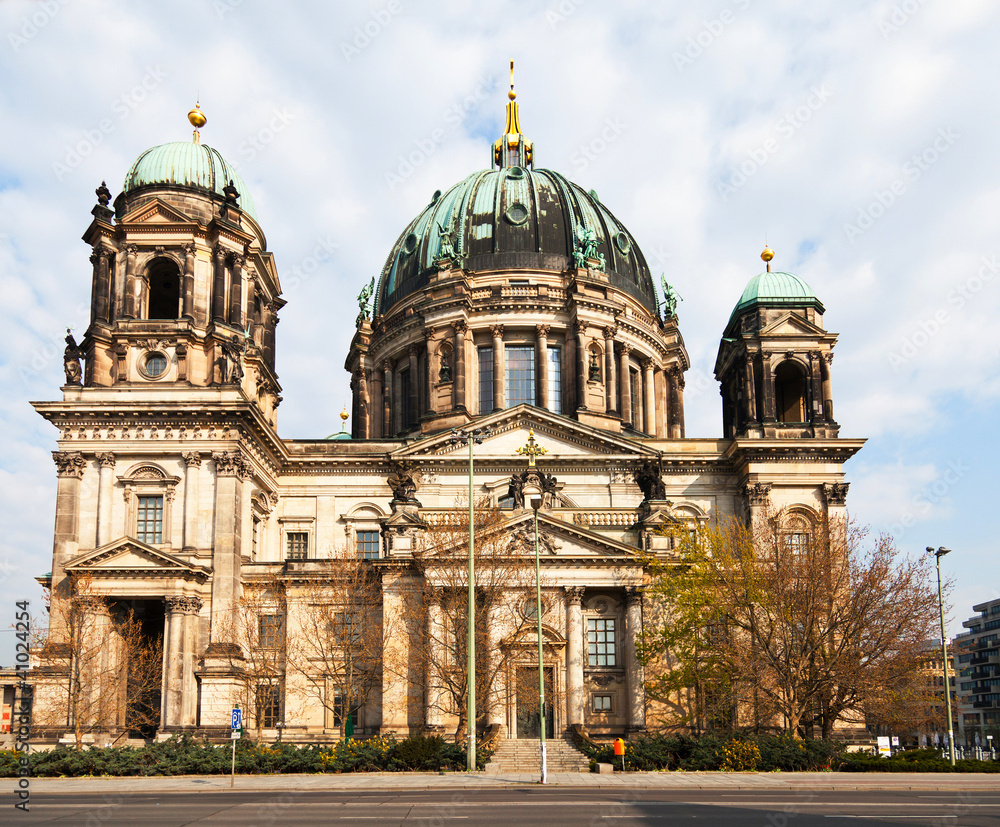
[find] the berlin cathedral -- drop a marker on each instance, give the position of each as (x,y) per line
(515,311)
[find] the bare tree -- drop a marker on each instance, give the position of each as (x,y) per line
(504,577)
(340,640)
(101,671)
(797,631)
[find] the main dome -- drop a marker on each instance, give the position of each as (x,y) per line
(508,219)
(188,164)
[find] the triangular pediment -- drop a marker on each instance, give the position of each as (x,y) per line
(129,556)
(563,439)
(155,212)
(792,324)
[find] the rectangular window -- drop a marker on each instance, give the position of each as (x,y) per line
(346,629)
(635,388)
(338,709)
(555,379)
(602,703)
(255,539)
(601,641)
(298,545)
(405,411)
(797,544)
(268,705)
(485,380)
(270,631)
(149,523)
(368,545)
(520,369)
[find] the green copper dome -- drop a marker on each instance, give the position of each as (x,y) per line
(188,164)
(775,289)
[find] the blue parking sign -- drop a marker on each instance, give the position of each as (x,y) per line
(237,718)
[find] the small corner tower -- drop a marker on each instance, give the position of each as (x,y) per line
(774,361)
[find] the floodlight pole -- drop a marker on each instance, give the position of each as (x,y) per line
(459,437)
(536,503)
(941,552)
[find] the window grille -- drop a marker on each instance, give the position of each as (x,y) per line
(149,523)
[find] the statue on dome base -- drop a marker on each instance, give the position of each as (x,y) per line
(71,360)
(365,302)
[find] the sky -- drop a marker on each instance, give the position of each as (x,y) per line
(857,139)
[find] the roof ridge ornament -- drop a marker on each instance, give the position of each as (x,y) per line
(512,149)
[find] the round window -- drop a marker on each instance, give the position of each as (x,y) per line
(155,365)
(621,242)
(410,244)
(515,172)
(517,213)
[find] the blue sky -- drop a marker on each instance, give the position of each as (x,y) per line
(859,138)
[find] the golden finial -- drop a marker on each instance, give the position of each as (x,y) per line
(344,416)
(512,94)
(532,449)
(767,255)
(197,119)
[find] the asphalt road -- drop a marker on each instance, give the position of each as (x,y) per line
(507,807)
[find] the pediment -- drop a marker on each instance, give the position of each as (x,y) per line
(792,324)
(563,438)
(155,212)
(129,556)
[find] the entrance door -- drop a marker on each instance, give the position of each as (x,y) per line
(527,702)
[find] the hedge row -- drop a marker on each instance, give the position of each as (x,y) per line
(187,756)
(915,760)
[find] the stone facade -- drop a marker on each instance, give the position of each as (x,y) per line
(175,491)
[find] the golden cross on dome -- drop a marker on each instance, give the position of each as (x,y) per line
(532,449)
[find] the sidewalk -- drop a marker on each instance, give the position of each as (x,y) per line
(376,781)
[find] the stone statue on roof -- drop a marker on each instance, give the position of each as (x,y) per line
(365,302)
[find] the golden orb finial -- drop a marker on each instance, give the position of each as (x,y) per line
(767,255)
(197,119)
(344,414)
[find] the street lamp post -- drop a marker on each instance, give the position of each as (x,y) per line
(471,438)
(532,450)
(941,552)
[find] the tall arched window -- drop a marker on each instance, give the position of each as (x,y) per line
(164,290)
(790,392)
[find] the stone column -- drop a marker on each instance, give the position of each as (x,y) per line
(190,608)
(129,309)
(192,471)
(680,403)
(649,420)
(675,403)
(363,423)
(173,664)
(751,391)
(768,376)
(461,379)
(386,398)
(499,374)
(816,413)
(494,702)
(757,496)
(827,387)
(376,403)
(102,285)
(542,362)
(227,540)
(415,383)
(218,283)
(626,386)
(187,293)
(270,313)
(433,711)
(395,695)
(581,365)
(634,672)
(430,378)
(70,467)
(105,487)
(574,654)
(236,292)
(610,380)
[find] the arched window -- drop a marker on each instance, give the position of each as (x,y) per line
(790,392)
(164,289)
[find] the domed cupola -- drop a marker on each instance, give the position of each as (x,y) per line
(774,360)
(544,298)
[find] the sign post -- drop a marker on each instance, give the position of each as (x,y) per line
(237,725)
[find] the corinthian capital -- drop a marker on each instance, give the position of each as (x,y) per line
(69,463)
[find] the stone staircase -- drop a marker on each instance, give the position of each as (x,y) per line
(516,755)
